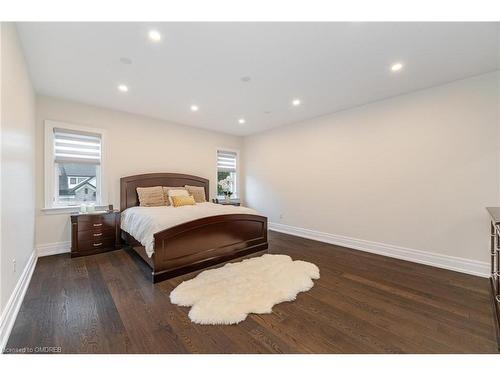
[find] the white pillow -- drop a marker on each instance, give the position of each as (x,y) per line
(177,193)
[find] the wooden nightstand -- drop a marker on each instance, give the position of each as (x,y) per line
(95,233)
(225,203)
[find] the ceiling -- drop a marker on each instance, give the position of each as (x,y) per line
(329,66)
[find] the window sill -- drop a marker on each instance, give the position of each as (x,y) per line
(67,210)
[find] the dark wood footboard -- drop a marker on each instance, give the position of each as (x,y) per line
(204,242)
(197,244)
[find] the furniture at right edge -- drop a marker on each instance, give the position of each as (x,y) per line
(495,265)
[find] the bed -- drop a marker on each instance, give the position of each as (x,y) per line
(193,244)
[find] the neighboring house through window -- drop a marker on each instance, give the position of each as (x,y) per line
(73,165)
(227,166)
(73,181)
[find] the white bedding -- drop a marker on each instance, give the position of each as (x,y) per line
(143,222)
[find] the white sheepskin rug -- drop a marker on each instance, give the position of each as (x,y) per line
(226,295)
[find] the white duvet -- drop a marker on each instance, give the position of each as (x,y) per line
(143,222)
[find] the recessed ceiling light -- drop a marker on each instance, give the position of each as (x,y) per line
(123,88)
(241,121)
(125,60)
(194,108)
(296,102)
(396,67)
(154,35)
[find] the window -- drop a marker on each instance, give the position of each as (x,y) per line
(227,169)
(73,165)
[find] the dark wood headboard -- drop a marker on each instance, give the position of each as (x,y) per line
(129,184)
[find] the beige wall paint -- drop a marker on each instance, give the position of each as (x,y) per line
(415,171)
(17,162)
(136,144)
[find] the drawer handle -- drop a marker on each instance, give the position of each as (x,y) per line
(97,244)
(97,234)
(97,225)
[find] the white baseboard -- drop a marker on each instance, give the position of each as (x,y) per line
(10,311)
(469,266)
(53,248)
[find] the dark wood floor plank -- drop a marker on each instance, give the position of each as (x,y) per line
(363,303)
(130,305)
(361,258)
(383,311)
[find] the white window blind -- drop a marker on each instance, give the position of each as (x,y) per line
(226,161)
(76,147)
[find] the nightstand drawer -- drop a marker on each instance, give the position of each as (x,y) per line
(96,244)
(86,225)
(96,234)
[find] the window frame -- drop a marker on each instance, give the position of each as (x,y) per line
(236,195)
(50,178)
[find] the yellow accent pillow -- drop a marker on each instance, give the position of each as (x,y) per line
(166,189)
(179,200)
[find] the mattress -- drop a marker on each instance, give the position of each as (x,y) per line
(143,222)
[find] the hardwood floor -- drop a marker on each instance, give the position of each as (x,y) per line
(363,303)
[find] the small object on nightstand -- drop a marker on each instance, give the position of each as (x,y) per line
(94,233)
(226,203)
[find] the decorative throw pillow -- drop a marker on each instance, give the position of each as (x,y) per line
(151,196)
(198,193)
(180,200)
(177,193)
(166,189)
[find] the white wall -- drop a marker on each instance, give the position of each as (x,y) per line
(414,171)
(137,144)
(17,162)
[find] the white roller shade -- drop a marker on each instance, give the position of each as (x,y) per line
(76,147)
(226,161)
